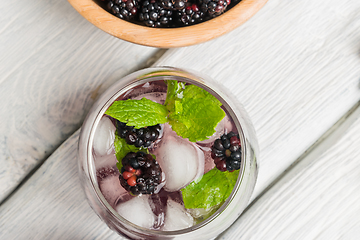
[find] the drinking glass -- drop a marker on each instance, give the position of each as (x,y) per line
(232,207)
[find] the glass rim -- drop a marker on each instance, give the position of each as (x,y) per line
(119,88)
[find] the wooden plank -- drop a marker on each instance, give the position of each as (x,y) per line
(52,205)
(53,65)
(294,67)
(317,199)
(295,78)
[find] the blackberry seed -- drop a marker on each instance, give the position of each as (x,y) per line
(147,144)
(218,153)
(139,142)
(235,164)
(146,134)
(150,189)
(140,132)
(226,143)
(229,166)
(221,166)
(149,181)
(141,187)
(235,155)
(135,190)
(234,148)
(131,138)
(218,144)
(134,163)
(140,180)
(157,178)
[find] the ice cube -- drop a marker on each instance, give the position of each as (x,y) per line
(176,217)
(138,211)
(109,184)
(229,125)
(105,160)
(158,203)
(180,160)
(104,137)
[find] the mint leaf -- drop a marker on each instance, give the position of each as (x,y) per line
(174,92)
(138,113)
(194,112)
(121,149)
(195,118)
(195,92)
(213,189)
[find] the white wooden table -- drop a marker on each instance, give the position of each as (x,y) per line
(295,66)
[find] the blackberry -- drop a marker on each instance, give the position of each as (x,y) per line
(153,14)
(214,7)
(226,152)
(124,9)
(140,174)
(142,137)
(173,4)
(190,15)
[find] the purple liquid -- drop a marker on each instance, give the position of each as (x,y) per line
(108,174)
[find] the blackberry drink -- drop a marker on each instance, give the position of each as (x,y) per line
(164,156)
(152,165)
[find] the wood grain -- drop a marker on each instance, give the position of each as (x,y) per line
(168,37)
(317,199)
(52,204)
(53,65)
(295,71)
(295,68)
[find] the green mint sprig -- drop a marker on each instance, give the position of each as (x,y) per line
(191,111)
(138,113)
(194,112)
(194,92)
(213,189)
(195,119)
(122,148)
(174,93)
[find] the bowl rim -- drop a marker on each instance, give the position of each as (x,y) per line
(167,37)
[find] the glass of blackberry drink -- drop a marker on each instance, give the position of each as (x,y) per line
(168,154)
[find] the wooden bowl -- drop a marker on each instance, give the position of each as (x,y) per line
(167,37)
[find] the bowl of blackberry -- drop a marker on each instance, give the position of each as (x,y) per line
(167,23)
